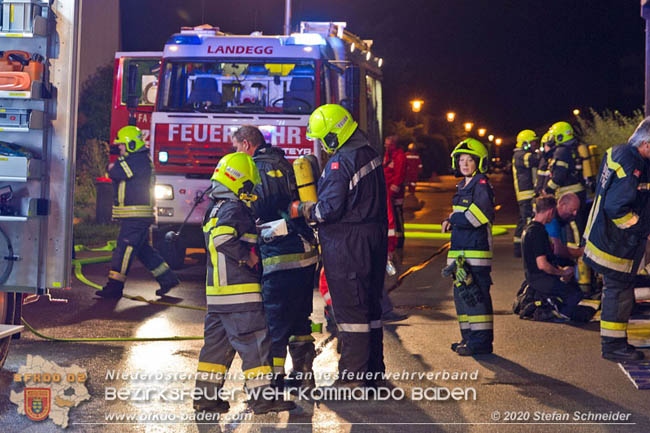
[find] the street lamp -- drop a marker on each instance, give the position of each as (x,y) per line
(468,126)
(481,132)
(416,105)
(451,116)
(491,137)
(576,112)
(498,141)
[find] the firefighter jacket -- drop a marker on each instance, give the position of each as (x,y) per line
(274,195)
(413,166)
(395,174)
(618,226)
(230,234)
(133,183)
(565,170)
(352,188)
(471,222)
(524,166)
(542,172)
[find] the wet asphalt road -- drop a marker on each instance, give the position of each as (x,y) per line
(538,369)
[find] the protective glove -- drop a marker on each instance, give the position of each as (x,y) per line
(299,209)
(463,274)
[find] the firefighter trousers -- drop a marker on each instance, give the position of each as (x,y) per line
(355,276)
(133,241)
(525,216)
(243,332)
(476,322)
(617,305)
(288,299)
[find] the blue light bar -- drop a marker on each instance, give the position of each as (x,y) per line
(306,39)
(180,39)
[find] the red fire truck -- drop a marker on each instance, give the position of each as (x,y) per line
(207,84)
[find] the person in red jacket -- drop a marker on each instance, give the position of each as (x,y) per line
(413,167)
(395,174)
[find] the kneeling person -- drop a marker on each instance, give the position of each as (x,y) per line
(551,285)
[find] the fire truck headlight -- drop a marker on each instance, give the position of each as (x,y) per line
(163,157)
(164,192)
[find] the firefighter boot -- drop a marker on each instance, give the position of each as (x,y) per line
(628,353)
(209,400)
(167,281)
(260,405)
(302,355)
(467,350)
(112,289)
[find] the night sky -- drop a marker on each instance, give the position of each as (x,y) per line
(504,64)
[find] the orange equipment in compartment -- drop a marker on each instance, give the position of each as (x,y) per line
(18,69)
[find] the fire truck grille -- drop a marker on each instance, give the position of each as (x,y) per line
(192,158)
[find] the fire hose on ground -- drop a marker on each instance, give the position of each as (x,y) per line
(425,233)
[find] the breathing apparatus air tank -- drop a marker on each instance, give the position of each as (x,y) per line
(306,170)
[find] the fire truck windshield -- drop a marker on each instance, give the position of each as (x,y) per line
(237,87)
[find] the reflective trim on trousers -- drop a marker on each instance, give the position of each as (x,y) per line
(481,326)
(164,267)
(613,329)
(209,367)
(473,262)
(233,299)
(374,324)
(125,259)
(354,327)
(116,276)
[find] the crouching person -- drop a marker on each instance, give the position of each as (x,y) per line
(235,318)
(552,293)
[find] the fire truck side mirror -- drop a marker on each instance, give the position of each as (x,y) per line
(351,99)
(132,97)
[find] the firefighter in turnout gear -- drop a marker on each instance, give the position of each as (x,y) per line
(470,253)
(616,235)
(546,153)
(567,175)
(133,182)
(288,261)
(235,319)
(524,166)
(352,229)
(565,168)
